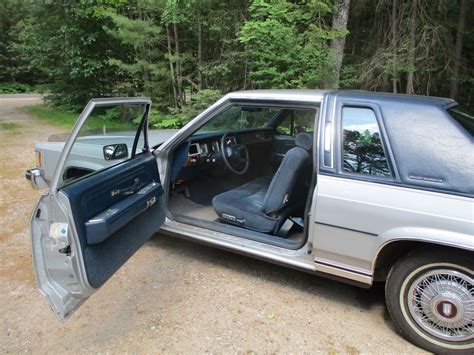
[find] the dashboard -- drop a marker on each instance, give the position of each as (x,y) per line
(203,147)
(202,152)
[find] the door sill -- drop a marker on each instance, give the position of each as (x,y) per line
(299,258)
(242,233)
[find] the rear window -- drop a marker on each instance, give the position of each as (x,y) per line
(464,118)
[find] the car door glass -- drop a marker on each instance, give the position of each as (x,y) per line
(363,151)
(240,117)
(296,121)
(106,139)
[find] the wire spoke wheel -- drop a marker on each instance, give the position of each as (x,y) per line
(441,302)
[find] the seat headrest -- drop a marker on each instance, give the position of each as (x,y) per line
(304,140)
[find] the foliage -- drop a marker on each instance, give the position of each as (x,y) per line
(363,152)
(53,115)
(11,14)
(15,88)
(159,120)
(179,117)
(287,44)
(409,47)
(68,41)
(185,54)
(144,70)
(9,126)
(66,119)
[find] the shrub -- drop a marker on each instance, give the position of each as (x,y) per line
(15,88)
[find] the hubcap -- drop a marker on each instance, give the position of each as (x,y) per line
(442,303)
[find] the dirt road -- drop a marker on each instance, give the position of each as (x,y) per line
(172,296)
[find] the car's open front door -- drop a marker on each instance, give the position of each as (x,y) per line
(104,202)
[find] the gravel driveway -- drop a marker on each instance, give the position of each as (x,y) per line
(172,296)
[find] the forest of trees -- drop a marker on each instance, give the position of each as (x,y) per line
(187,53)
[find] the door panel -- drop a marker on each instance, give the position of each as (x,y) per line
(104,252)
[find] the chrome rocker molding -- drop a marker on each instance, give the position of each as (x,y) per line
(345,272)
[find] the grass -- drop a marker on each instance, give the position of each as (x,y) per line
(53,115)
(65,119)
(9,126)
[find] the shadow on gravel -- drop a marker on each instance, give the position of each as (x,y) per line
(364,299)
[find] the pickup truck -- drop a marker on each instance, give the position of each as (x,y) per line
(357,186)
(91,156)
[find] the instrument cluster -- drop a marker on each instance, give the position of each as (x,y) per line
(200,152)
(203,148)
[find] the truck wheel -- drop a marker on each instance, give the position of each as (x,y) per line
(430,297)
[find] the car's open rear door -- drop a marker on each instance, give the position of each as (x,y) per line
(105,201)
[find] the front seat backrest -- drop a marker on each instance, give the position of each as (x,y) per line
(282,184)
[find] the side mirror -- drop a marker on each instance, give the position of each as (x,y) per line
(36,178)
(115,151)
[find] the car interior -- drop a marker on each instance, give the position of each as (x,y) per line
(248,172)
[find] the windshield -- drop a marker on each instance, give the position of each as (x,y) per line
(237,118)
(463,117)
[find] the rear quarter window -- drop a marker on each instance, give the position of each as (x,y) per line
(362,149)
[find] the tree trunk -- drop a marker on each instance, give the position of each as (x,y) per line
(394,46)
(179,76)
(339,23)
(199,30)
(412,51)
(173,83)
(454,90)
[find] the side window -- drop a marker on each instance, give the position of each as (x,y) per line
(363,151)
(105,139)
(297,121)
(240,117)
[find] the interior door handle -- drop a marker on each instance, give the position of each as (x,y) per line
(127,190)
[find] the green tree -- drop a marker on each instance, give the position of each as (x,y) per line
(287,44)
(12,68)
(68,41)
(143,69)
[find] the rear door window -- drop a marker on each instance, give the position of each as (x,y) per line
(362,147)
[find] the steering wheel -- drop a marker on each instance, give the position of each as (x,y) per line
(235,156)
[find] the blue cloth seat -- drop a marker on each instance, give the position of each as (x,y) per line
(263,204)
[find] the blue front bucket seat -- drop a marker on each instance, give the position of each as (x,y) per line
(263,204)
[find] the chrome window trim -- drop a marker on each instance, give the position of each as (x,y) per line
(383,136)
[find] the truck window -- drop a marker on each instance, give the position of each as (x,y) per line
(363,151)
